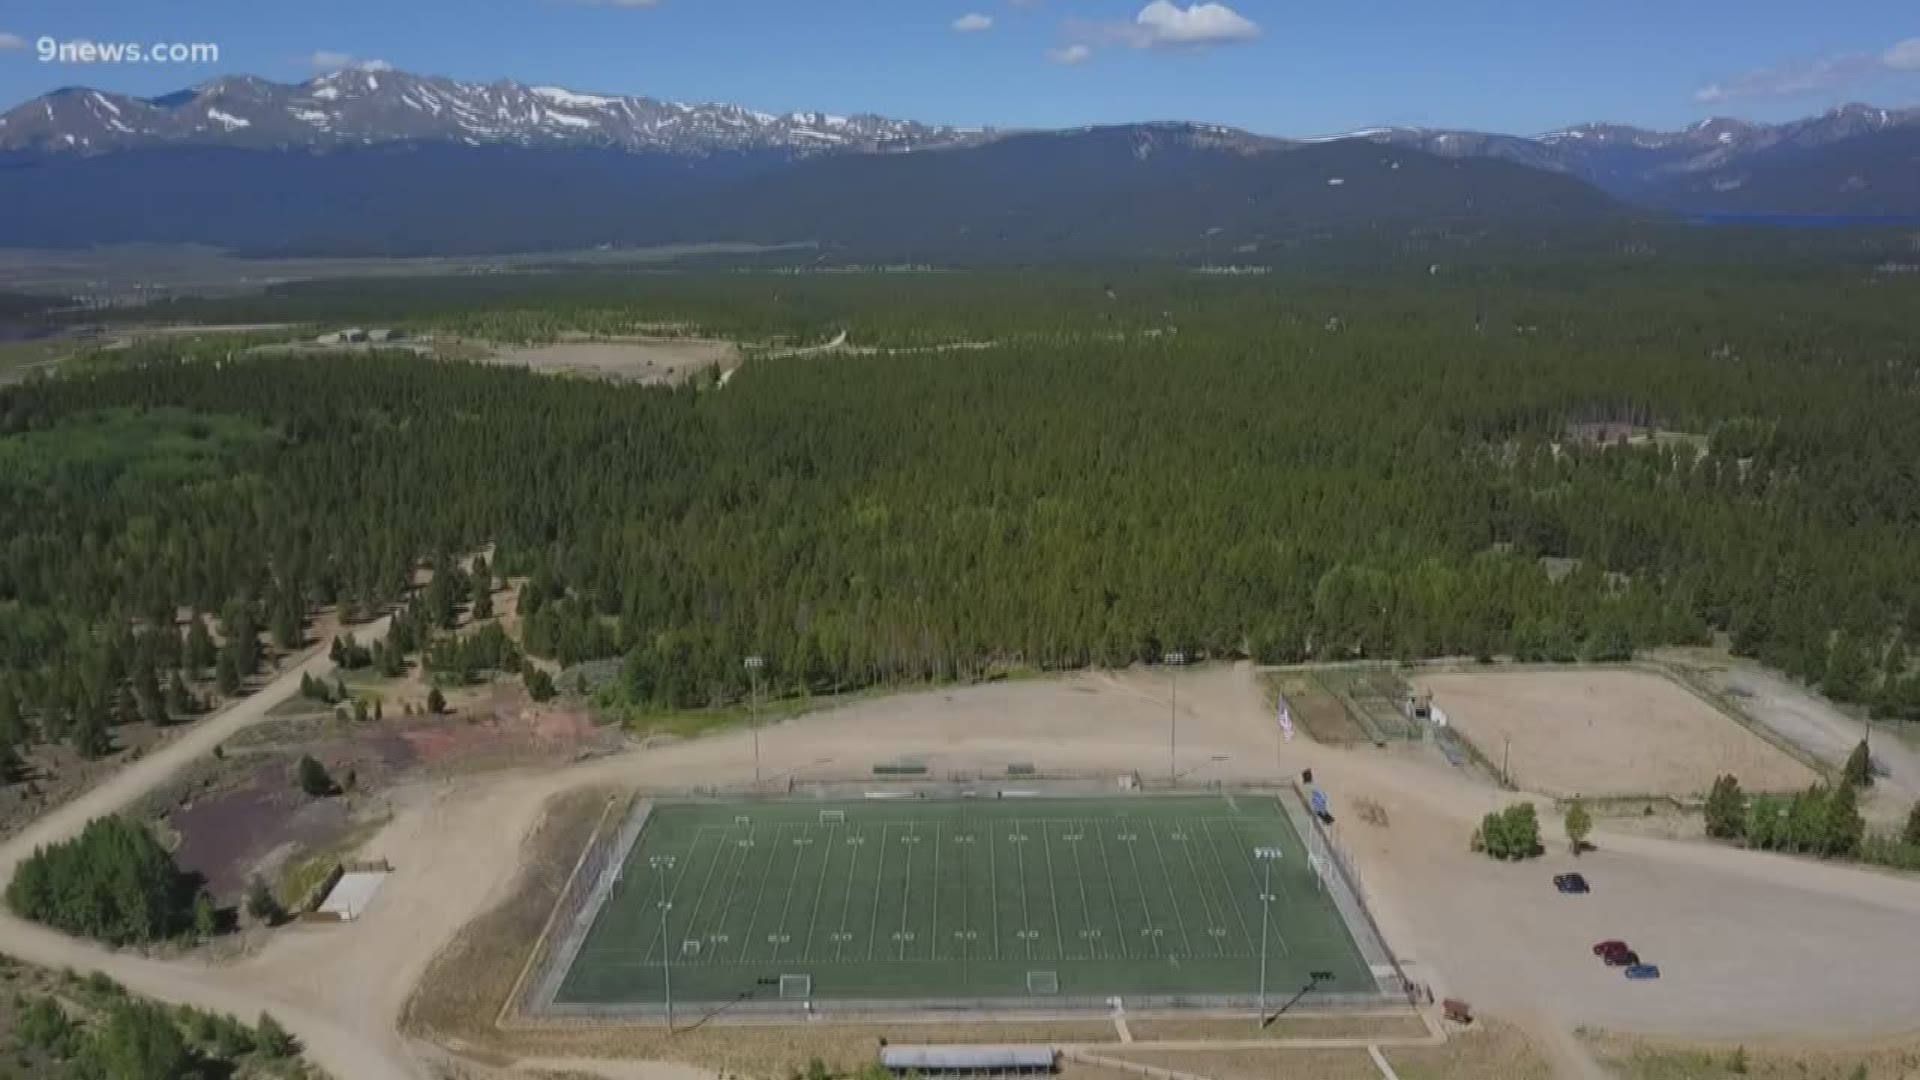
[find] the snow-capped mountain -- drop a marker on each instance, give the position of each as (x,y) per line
(359,107)
(1625,160)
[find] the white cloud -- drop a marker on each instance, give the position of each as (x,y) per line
(328,60)
(1805,78)
(973,23)
(1903,57)
(9,42)
(1070,55)
(1163,24)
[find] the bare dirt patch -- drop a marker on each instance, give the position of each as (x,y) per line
(1606,733)
(626,359)
(1254,1064)
(1489,1050)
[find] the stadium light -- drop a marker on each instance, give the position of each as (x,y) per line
(753,665)
(661,864)
(1267,857)
(1173,660)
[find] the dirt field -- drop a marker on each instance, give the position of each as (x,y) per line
(627,359)
(1607,732)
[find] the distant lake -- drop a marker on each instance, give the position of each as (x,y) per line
(1808,221)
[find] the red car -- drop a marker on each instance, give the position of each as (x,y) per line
(1623,958)
(1602,948)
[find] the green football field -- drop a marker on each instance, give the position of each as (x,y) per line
(926,898)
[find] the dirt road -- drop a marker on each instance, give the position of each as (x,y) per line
(342,1052)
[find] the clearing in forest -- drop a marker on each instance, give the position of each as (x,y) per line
(1605,733)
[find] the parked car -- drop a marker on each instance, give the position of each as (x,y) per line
(1643,971)
(1571,884)
(1602,948)
(1623,958)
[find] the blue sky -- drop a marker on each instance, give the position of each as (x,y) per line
(1278,66)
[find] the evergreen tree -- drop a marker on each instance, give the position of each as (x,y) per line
(1726,810)
(436,701)
(1579,824)
(199,648)
(137,1041)
(226,674)
(180,702)
(260,903)
(313,778)
(1858,771)
(113,882)
(1844,827)
(1911,834)
(205,919)
(482,593)
(539,684)
(273,1040)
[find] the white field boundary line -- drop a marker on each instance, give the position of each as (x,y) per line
(553,915)
(1380,1062)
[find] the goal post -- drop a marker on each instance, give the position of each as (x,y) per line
(796,987)
(833,817)
(1043,982)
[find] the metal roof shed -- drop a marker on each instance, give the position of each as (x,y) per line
(968,1059)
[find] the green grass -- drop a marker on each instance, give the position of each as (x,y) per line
(963,898)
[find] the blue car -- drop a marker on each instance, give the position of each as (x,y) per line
(1571,884)
(1644,971)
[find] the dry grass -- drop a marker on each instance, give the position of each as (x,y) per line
(772,1050)
(1289,1027)
(1074,1070)
(1316,711)
(1489,1050)
(1634,1058)
(466,985)
(1256,1064)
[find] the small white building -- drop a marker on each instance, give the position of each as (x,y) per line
(350,895)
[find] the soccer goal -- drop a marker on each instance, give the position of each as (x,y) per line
(1043,982)
(796,987)
(742,820)
(690,948)
(833,817)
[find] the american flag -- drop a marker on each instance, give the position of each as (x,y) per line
(1285,718)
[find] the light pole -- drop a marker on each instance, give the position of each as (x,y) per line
(753,665)
(661,864)
(1173,660)
(1267,856)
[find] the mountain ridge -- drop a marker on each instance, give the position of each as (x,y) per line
(358,106)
